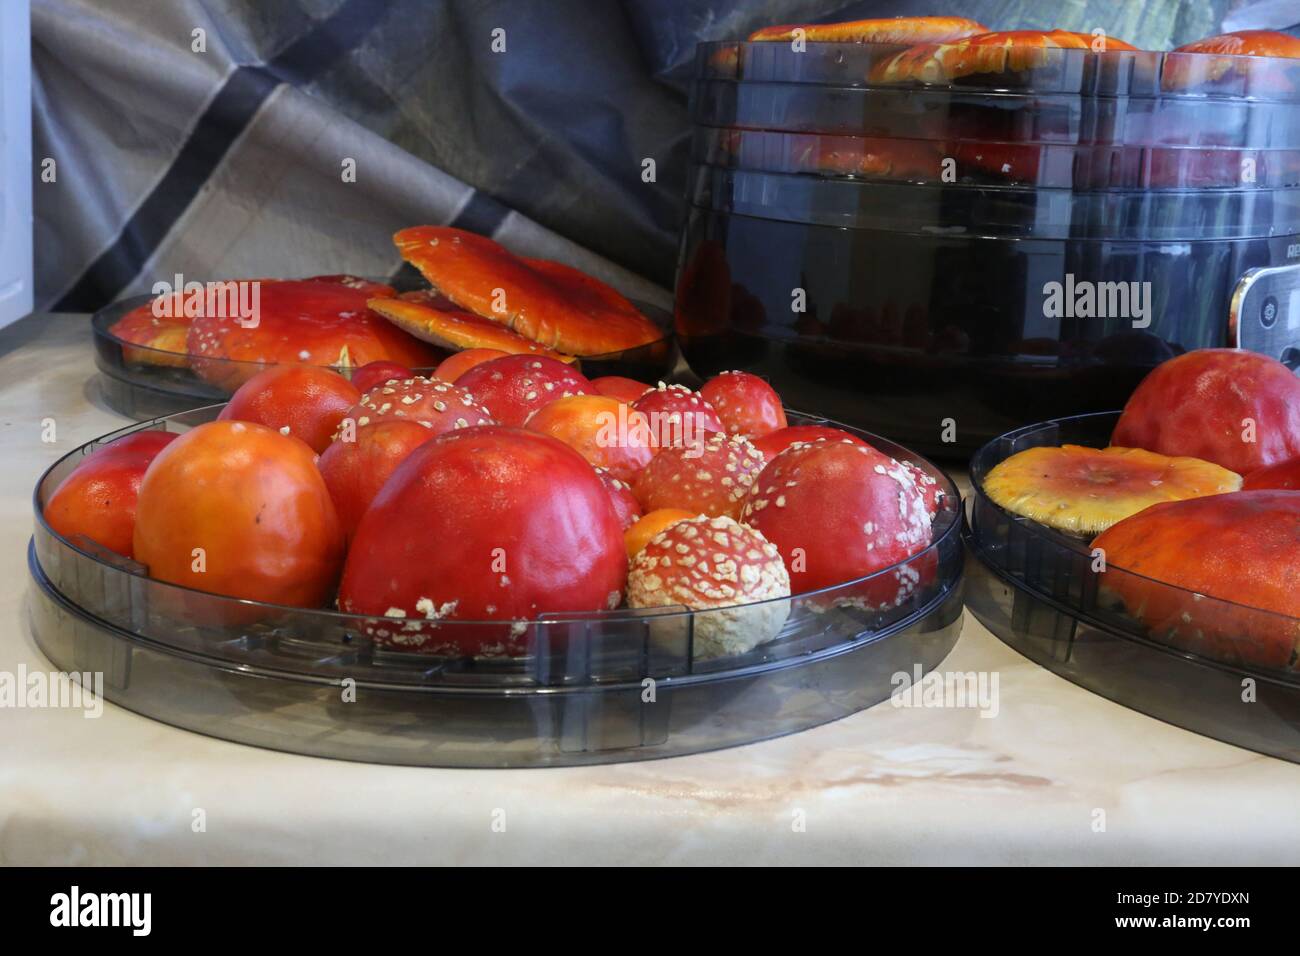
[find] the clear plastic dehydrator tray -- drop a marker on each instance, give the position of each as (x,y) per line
(1116,73)
(953,113)
(994,163)
(1230,674)
(146,383)
(592,688)
(1005,211)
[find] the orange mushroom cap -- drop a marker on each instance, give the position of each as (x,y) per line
(554,305)
(998,52)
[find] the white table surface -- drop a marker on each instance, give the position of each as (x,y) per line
(885,786)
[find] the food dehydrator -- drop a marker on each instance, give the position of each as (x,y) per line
(946,261)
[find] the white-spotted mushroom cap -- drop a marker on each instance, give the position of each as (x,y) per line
(746,404)
(720,567)
(842,508)
(514,387)
(711,477)
(437,405)
(678,415)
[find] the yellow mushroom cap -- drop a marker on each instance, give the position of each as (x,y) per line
(1086,490)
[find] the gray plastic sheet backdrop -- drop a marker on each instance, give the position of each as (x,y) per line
(229,162)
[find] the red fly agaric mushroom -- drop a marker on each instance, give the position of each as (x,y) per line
(838,510)
(373,374)
(304,401)
(454,366)
(1246,43)
(355,467)
(1192,66)
(438,406)
(626,390)
(1239,548)
(602,430)
(321,321)
(625,504)
(746,404)
(929,486)
(1006,51)
(484,524)
(514,387)
(549,303)
(717,566)
(678,416)
(453,328)
(161,338)
(1285,475)
(1236,408)
(236,508)
(776,442)
(710,479)
(97,499)
(893,30)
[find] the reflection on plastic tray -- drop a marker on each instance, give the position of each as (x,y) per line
(592,688)
(1037,589)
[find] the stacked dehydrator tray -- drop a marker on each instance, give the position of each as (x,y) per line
(912,257)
